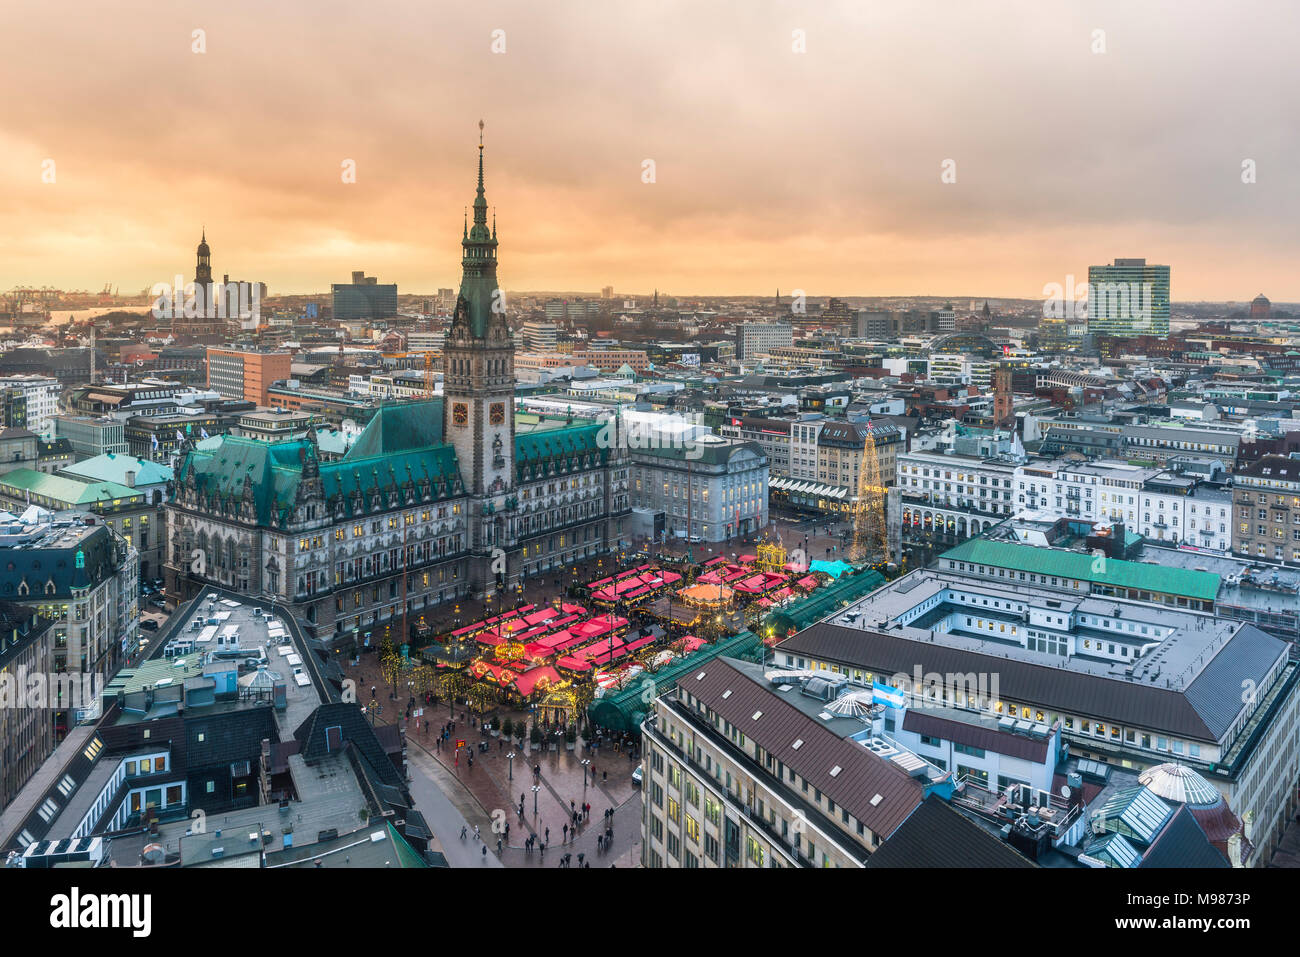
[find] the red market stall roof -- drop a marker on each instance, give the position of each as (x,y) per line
(690,643)
(808,581)
(529,681)
(635,585)
(713,561)
(762,582)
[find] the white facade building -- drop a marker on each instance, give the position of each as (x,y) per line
(41,394)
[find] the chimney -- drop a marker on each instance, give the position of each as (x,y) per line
(130,478)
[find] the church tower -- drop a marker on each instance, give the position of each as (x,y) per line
(203,268)
(203,291)
(478,401)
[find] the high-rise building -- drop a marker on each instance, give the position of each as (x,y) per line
(1128,298)
(754,338)
(540,336)
(31,402)
(246,373)
(364,298)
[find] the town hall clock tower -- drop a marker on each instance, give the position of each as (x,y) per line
(478,404)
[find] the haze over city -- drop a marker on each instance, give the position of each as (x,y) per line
(817,170)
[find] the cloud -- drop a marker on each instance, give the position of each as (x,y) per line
(819,170)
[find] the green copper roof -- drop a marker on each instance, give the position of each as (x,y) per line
(74,492)
(111,467)
(436,465)
(1084,567)
(398,428)
(569,446)
(274,470)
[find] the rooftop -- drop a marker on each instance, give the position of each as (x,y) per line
(1185,672)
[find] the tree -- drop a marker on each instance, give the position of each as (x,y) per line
(508,728)
(535,736)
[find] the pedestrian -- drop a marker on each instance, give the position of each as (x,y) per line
(566,834)
(485,852)
(580,856)
(463,831)
(498,845)
(604,776)
(547,836)
(476,837)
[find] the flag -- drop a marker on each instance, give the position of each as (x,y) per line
(154,442)
(203,432)
(886,695)
(179,436)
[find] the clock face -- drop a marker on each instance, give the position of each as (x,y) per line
(498,413)
(460,413)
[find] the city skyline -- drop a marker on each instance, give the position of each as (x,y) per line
(1065,157)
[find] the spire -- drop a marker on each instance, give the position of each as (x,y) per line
(478,285)
(480,200)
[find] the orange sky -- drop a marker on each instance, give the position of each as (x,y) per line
(817,171)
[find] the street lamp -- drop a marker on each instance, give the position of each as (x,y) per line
(511,758)
(585,762)
(536,789)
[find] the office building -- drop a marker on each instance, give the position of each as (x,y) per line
(363,298)
(1127,657)
(761,338)
(539,336)
(709,488)
(1128,298)
(246,373)
(91,435)
(31,402)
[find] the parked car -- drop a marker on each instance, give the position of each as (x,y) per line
(159,603)
(149,624)
(636,776)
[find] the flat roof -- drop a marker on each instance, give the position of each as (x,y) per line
(1114,572)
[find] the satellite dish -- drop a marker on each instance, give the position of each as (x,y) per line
(1065,791)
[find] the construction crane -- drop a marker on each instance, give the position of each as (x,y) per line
(870,536)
